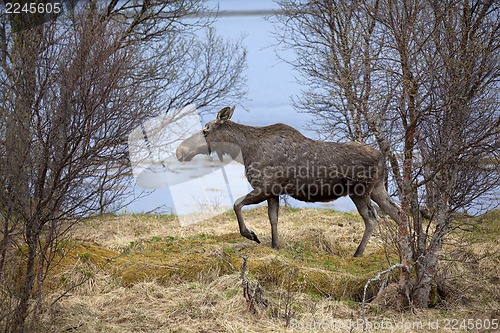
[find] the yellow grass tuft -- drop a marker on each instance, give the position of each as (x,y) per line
(142,273)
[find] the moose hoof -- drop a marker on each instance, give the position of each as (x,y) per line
(254,237)
(250,235)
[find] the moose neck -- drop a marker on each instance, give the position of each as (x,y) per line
(239,134)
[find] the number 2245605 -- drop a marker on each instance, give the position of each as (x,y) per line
(33,8)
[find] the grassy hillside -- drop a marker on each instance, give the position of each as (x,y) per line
(146,273)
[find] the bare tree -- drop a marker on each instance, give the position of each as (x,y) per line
(71,90)
(458,137)
(418,78)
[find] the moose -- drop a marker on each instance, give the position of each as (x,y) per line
(278,160)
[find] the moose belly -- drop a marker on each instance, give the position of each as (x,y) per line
(319,190)
(308,189)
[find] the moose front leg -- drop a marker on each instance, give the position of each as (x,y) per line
(251,198)
(369,215)
(273,206)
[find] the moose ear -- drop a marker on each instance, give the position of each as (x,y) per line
(225,114)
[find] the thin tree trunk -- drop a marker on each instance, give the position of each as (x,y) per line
(405,252)
(25,53)
(4,243)
(28,282)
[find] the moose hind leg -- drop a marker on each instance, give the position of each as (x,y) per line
(384,201)
(369,215)
(251,198)
(273,206)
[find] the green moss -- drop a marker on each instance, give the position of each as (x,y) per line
(349,302)
(86,256)
(487,227)
(311,263)
(313,295)
(230,293)
(203,236)
(204,257)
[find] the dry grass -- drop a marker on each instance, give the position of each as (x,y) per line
(141,273)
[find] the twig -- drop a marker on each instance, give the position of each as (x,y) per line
(73,328)
(377,278)
(252,294)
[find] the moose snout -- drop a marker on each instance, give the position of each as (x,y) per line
(181,153)
(191,147)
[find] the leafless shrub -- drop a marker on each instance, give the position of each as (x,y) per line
(419,79)
(252,292)
(71,90)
